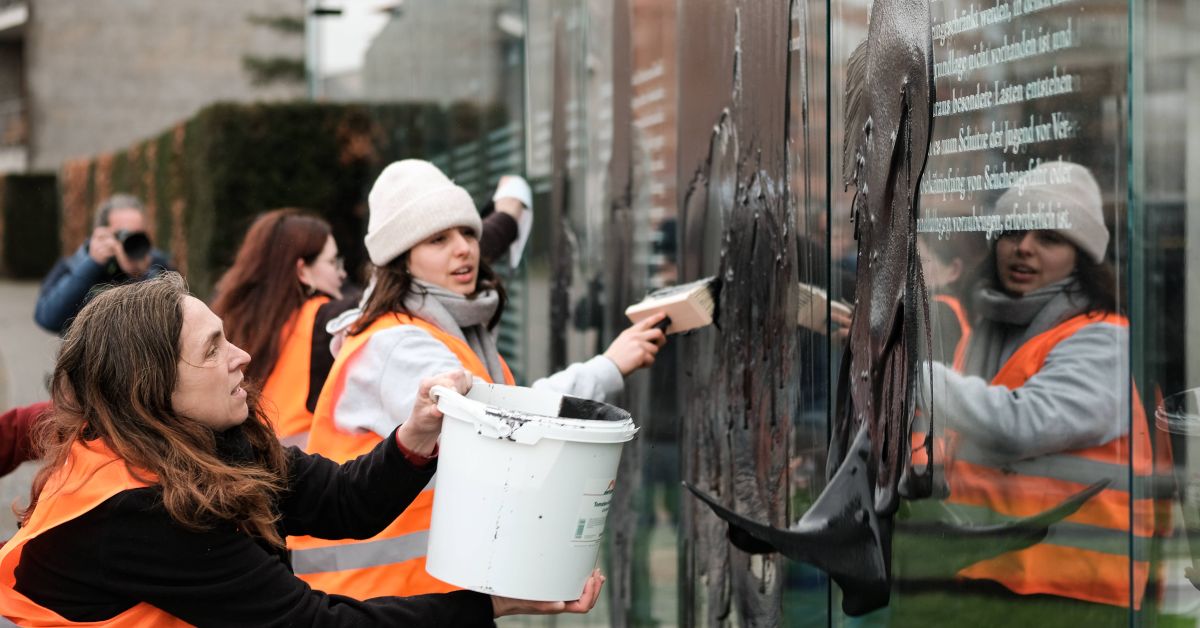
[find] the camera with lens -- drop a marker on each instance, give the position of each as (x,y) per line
(136,244)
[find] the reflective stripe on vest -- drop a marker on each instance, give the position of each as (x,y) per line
(372,553)
(1087,556)
(964,324)
(393,561)
(91,475)
(285,392)
(918,456)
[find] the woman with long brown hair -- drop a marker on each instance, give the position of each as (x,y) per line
(286,269)
(165,496)
(433,306)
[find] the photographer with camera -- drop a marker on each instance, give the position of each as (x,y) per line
(119,251)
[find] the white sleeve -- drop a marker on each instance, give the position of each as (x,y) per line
(381,385)
(598,379)
(1078,399)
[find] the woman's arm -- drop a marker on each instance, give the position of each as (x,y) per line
(499,232)
(353,500)
(360,498)
(1079,399)
(597,379)
(129,550)
(603,377)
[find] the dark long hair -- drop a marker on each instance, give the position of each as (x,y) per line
(258,294)
(113,381)
(393,284)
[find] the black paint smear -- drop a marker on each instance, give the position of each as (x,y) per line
(889,114)
(736,223)
(843,535)
(888,137)
(588,410)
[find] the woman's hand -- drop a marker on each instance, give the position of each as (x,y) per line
(420,432)
(502,606)
(841,318)
(637,345)
(510,186)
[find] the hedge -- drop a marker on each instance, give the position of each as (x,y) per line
(205,180)
(29,212)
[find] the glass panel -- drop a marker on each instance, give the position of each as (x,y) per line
(1164,258)
(1022,231)
(607,155)
(806,589)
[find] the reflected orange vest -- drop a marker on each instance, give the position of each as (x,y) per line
(964,325)
(1087,555)
(917,441)
(286,389)
(91,475)
(392,562)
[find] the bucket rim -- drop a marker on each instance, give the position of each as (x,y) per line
(533,425)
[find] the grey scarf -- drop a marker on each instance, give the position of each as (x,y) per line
(459,316)
(1004,323)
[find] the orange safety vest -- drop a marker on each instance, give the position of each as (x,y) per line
(91,475)
(393,561)
(964,324)
(917,441)
(285,392)
(1087,555)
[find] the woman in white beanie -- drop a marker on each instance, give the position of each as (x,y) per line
(433,305)
(1040,410)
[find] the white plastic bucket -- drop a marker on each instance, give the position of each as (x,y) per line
(523,490)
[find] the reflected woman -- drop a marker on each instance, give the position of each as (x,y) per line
(1041,409)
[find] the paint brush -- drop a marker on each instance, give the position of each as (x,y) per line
(694,305)
(687,306)
(814,306)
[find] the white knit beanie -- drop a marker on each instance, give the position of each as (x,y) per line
(1065,190)
(410,201)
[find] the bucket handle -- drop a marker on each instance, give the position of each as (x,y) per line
(505,427)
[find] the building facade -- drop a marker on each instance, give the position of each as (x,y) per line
(79,78)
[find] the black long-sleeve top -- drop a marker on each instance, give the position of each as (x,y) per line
(129,550)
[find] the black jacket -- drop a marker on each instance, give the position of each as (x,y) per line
(71,283)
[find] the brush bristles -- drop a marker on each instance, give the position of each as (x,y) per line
(689,305)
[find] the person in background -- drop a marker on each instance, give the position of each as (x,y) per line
(1041,410)
(287,268)
(119,251)
(502,218)
(165,496)
(943,266)
(16,427)
(434,306)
